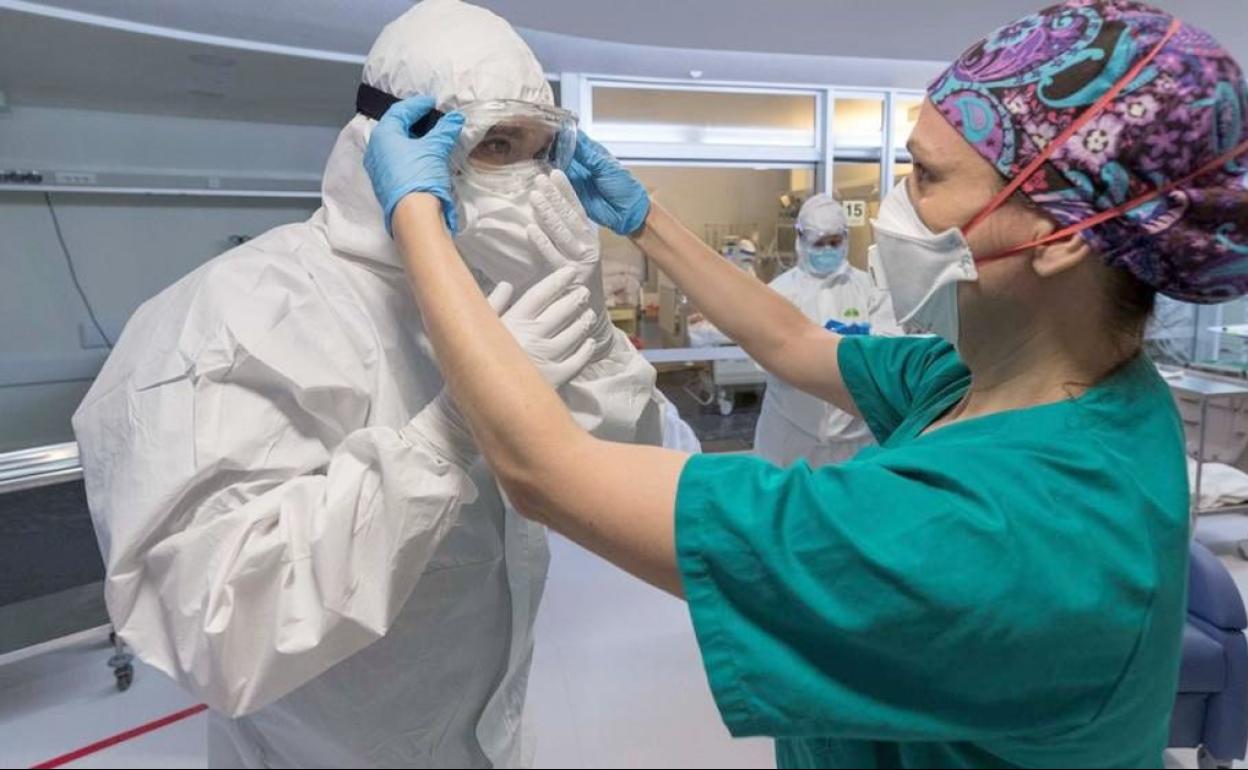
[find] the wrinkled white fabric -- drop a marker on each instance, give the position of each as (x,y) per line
(278,537)
(793,424)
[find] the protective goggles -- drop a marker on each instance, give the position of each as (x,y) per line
(504,133)
(498,135)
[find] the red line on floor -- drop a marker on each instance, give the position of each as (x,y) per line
(121,737)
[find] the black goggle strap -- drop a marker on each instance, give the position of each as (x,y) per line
(373,103)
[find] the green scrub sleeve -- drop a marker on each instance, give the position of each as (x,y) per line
(889,377)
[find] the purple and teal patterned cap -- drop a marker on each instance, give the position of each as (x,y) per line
(1014,93)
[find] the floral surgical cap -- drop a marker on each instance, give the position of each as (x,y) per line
(1013,94)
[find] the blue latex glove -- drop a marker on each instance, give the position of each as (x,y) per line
(860,329)
(610,194)
(399,164)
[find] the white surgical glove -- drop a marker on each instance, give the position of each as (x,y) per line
(552,322)
(567,238)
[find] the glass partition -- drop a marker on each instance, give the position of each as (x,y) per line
(905,115)
(858,126)
(857,186)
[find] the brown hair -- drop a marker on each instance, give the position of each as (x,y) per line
(1131,304)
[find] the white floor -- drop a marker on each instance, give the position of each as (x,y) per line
(616,683)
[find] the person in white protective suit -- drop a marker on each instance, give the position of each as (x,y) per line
(794,425)
(293,527)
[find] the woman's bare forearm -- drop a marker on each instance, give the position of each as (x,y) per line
(766,325)
(742,307)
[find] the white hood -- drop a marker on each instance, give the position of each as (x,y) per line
(447,49)
(824,214)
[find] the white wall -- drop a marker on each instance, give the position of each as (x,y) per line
(125,248)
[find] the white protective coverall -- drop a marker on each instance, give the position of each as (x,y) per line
(277,538)
(794,425)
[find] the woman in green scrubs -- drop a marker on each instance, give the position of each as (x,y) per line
(1002,580)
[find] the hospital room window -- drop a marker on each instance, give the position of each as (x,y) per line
(905,115)
(858,126)
(692,117)
(858,144)
(1214,336)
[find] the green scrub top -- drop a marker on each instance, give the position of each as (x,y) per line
(1008,590)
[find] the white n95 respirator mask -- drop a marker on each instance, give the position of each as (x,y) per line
(920,269)
(493,238)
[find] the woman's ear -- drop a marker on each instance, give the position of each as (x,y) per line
(1060,256)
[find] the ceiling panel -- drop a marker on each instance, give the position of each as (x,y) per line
(49,62)
(907,29)
(64,62)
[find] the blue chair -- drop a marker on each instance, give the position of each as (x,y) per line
(1211,710)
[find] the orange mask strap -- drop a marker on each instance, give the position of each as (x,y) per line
(1118,211)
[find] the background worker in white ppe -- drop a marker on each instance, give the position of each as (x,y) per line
(292,521)
(828,290)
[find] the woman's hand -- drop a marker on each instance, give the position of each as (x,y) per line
(399,164)
(610,194)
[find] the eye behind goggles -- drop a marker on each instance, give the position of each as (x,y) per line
(497,133)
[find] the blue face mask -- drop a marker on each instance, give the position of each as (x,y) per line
(827,260)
